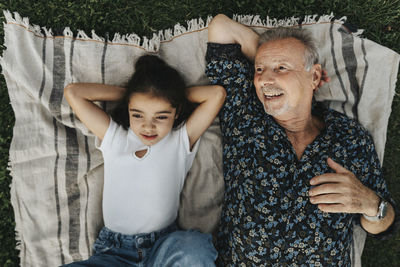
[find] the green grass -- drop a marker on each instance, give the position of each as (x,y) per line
(379,18)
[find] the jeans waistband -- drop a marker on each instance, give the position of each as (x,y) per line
(138,241)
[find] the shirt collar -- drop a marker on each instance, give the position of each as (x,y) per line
(323,140)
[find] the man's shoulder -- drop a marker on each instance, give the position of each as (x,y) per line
(344,125)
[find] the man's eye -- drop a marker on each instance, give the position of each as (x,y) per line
(282,68)
(258,69)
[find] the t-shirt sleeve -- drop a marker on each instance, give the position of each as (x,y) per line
(228,67)
(108,137)
(371,176)
(190,153)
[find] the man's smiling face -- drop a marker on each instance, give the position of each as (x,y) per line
(282,83)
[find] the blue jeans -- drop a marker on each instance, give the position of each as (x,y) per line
(168,247)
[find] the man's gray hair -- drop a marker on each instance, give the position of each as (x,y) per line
(304,36)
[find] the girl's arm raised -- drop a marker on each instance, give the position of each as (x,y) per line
(210,99)
(80,96)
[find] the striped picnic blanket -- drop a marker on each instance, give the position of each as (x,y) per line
(57,173)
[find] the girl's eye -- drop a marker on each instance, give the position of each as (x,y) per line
(161,117)
(137,116)
(258,69)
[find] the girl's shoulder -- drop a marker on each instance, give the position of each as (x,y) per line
(182,136)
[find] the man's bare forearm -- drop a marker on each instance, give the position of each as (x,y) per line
(223,30)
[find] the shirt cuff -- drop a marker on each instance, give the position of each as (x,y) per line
(393,227)
(216,51)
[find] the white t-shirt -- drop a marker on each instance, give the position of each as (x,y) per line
(141,195)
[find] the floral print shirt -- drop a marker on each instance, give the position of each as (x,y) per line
(267,219)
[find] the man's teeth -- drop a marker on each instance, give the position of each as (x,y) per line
(272,94)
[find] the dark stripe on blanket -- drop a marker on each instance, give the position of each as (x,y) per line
(71,164)
(56,190)
(72,117)
(350,61)
(43,68)
(103,56)
(57,91)
(71,56)
(88,162)
(103,76)
(73,193)
(336,67)
(365,68)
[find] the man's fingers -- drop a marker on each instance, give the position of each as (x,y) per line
(327,199)
(336,166)
(332,208)
(326,178)
(341,174)
(325,188)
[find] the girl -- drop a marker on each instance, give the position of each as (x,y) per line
(148,146)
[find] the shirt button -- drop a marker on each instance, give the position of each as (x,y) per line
(140,240)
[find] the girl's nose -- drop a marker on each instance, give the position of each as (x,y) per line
(149,125)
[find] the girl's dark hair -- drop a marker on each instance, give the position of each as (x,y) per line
(153,75)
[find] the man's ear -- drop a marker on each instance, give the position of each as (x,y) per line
(316,71)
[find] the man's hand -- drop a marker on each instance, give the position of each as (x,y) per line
(223,30)
(341,191)
(324,78)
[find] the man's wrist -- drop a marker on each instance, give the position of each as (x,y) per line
(380,213)
(373,206)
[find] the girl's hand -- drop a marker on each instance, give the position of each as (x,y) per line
(80,96)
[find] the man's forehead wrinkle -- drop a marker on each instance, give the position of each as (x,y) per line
(278,55)
(271,56)
(279,59)
(274,59)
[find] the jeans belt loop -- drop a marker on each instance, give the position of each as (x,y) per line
(154,236)
(117,240)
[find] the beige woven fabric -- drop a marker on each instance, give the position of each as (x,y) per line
(58,173)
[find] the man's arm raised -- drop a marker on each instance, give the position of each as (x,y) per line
(223,30)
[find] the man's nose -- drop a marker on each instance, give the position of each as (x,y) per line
(267,77)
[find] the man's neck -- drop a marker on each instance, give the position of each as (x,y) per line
(302,131)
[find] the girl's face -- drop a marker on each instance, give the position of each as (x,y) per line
(151,118)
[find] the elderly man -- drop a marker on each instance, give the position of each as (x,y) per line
(296,174)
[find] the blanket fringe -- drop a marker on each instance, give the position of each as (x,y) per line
(17,232)
(153,44)
(256,20)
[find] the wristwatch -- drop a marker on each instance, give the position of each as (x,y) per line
(382,210)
